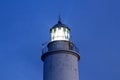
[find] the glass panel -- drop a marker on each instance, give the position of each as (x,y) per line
(60,34)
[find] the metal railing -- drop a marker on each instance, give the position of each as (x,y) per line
(45,48)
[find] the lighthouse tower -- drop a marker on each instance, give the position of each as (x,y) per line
(60,56)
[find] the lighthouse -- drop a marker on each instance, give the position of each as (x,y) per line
(60,56)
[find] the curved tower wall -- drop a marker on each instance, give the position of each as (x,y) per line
(61,61)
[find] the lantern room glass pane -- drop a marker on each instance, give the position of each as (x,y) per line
(60,33)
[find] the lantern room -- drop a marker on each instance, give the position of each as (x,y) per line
(60,32)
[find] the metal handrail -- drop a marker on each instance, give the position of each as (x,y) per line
(45,49)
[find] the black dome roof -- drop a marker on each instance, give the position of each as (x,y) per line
(59,24)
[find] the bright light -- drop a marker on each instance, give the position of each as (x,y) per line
(60,33)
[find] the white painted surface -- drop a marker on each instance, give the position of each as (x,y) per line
(61,66)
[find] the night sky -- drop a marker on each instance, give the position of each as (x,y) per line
(95,29)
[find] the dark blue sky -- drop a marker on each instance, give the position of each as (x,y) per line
(24,26)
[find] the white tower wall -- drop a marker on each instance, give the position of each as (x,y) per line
(61,66)
(60,61)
